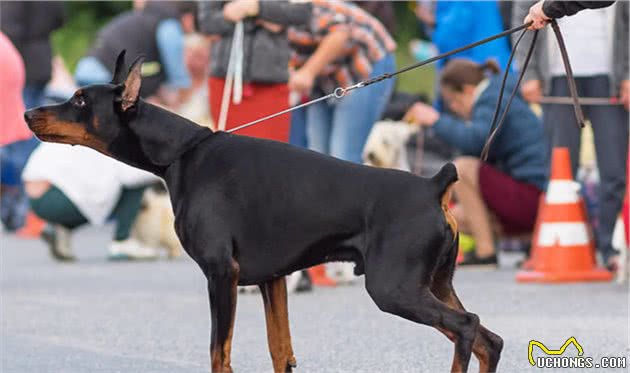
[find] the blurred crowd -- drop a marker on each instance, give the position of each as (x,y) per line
(226,63)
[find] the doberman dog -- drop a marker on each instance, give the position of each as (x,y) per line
(250,211)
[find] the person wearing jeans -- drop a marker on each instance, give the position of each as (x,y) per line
(341,46)
(340,127)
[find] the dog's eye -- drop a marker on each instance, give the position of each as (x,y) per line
(78,101)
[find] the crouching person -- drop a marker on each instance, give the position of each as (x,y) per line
(506,188)
(71,186)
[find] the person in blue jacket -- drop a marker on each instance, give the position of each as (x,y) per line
(458,23)
(508,185)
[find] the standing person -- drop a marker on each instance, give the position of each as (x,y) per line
(597,44)
(16,140)
(265,60)
(508,185)
(155,29)
(383,11)
(29,24)
(340,46)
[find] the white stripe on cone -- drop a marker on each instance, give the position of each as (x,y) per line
(564,234)
(562,191)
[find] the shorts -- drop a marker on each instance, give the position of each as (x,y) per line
(513,202)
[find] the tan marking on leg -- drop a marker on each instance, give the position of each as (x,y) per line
(221,355)
(480,347)
(450,219)
(274,295)
(227,346)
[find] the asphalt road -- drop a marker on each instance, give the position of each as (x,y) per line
(98,316)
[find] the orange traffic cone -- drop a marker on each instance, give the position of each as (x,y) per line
(319,277)
(564,246)
(33,226)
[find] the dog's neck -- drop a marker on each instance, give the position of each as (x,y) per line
(155,138)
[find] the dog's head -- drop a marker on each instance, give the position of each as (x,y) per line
(95,115)
(385,146)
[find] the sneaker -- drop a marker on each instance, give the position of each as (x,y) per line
(58,239)
(130,249)
(472,260)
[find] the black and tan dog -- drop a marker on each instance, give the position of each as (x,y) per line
(250,211)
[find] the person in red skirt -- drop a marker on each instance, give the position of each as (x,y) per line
(264,63)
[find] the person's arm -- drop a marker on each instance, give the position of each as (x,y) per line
(468,137)
(545,10)
(285,13)
(170,41)
(559,9)
(329,49)
(212,21)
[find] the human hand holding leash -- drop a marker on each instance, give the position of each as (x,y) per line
(537,16)
(421,114)
(239,9)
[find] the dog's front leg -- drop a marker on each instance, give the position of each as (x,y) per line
(222,293)
(274,294)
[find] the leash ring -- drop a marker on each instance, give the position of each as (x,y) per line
(339,92)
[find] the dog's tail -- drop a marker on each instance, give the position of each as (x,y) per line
(443,181)
(444,178)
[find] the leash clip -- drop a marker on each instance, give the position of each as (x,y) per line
(341,92)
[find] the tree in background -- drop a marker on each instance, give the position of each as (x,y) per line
(84,19)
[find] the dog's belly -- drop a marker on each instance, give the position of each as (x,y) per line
(256,271)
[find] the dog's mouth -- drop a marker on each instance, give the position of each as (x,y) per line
(42,129)
(51,137)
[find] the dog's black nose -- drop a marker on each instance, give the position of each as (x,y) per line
(371,157)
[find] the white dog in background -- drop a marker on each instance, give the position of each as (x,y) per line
(386,145)
(155,224)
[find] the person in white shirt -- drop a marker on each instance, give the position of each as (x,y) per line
(71,186)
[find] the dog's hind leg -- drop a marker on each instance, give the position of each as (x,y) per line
(407,296)
(487,345)
(222,289)
(274,295)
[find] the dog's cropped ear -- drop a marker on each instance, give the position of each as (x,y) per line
(131,91)
(119,70)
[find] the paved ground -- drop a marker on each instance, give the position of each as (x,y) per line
(96,316)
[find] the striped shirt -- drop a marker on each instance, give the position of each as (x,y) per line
(369,43)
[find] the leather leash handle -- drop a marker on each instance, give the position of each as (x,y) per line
(496,126)
(579,115)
